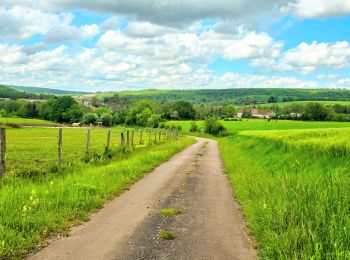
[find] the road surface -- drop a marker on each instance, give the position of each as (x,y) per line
(128,227)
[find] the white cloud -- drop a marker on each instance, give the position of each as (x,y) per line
(19,23)
(172,13)
(71,33)
(252,46)
(309,57)
(147,30)
(318,8)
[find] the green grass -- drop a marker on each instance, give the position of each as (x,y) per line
(33,151)
(294,189)
(26,121)
(34,209)
(166,235)
(170,212)
(261,124)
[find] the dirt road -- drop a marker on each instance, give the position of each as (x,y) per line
(128,227)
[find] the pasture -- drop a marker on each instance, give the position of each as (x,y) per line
(26,121)
(33,151)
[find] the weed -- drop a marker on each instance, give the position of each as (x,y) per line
(166,235)
(170,212)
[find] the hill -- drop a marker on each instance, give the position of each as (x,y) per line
(8,92)
(236,96)
(36,90)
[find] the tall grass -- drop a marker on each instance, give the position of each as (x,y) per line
(297,201)
(34,209)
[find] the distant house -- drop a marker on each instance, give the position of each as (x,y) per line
(254,112)
(261,113)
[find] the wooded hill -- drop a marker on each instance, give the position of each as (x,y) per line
(242,96)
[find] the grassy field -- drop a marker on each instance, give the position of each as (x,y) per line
(33,151)
(293,186)
(33,209)
(26,121)
(263,124)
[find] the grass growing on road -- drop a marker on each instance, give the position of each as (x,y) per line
(170,212)
(35,209)
(166,235)
(294,189)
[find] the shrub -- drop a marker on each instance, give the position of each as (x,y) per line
(106,119)
(194,127)
(213,126)
(90,118)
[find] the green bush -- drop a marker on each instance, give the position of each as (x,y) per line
(213,126)
(194,127)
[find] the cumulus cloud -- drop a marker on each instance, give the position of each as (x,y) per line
(309,57)
(318,8)
(19,23)
(252,46)
(172,13)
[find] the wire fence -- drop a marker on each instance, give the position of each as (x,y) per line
(34,151)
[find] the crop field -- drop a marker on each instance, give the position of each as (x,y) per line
(33,151)
(26,121)
(37,204)
(293,186)
(263,124)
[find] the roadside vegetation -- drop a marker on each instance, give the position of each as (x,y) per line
(33,209)
(293,186)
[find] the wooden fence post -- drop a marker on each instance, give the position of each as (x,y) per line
(155,136)
(127,138)
(141,136)
(59,158)
(150,136)
(3,152)
(108,139)
(122,141)
(132,138)
(160,134)
(87,145)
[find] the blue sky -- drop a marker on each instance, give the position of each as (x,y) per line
(117,45)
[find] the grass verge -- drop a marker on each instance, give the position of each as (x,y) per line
(34,209)
(297,202)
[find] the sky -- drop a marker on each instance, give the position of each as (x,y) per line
(112,45)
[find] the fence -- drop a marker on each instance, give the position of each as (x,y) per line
(34,150)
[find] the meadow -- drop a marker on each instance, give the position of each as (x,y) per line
(263,124)
(26,121)
(34,209)
(33,151)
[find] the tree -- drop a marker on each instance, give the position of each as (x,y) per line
(90,118)
(102,110)
(229,111)
(142,118)
(74,114)
(57,109)
(184,109)
(317,112)
(106,119)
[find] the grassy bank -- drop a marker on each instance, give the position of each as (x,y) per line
(296,200)
(35,209)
